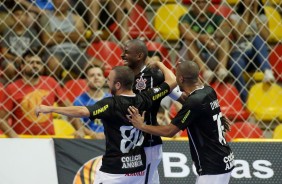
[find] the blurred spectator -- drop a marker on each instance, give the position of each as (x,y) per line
(5,19)
(37,6)
(17,39)
(250,50)
(22,96)
(106,17)
(205,40)
(163,118)
(96,81)
(62,34)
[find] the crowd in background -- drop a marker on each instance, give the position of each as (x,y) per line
(44,44)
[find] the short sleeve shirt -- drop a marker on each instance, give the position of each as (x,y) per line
(146,79)
(21,99)
(205,27)
(85,100)
(124,143)
(201,116)
(19,44)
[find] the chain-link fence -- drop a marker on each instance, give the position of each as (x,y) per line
(235,43)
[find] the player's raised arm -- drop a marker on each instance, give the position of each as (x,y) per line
(71,111)
(168,74)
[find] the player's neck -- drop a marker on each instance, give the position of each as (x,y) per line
(191,88)
(138,69)
(125,92)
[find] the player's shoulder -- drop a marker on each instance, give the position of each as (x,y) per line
(199,96)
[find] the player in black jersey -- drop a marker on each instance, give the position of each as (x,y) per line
(134,56)
(124,160)
(202,117)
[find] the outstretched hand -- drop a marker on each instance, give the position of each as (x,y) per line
(135,118)
(42,109)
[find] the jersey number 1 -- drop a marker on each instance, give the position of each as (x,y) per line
(220,128)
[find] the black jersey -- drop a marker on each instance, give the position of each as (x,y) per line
(201,115)
(124,143)
(146,79)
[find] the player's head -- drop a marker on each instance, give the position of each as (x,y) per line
(135,53)
(95,77)
(187,73)
(32,64)
(120,78)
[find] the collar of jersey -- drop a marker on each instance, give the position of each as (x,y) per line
(143,69)
(202,87)
(128,95)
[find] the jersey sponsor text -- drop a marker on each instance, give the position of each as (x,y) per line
(159,95)
(102,109)
(131,161)
(214,104)
(229,161)
(185,117)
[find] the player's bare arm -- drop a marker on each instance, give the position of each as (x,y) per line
(71,111)
(138,121)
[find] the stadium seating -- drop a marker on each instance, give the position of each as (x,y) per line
(63,128)
(254,75)
(139,26)
(275,2)
(190,1)
(232,2)
(243,130)
(223,10)
(106,51)
(274,24)
(74,88)
(230,102)
(275,59)
(158,47)
(277,133)
(163,1)
(1,97)
(166,21)
(265,101)
(1,91)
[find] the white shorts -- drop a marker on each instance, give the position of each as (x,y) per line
(106,178)
(214,179)
(153,158)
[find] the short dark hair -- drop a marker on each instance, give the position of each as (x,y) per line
(189,70)
(140,47)
(125,76)
(88,67)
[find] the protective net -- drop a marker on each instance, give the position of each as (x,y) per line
(235,43)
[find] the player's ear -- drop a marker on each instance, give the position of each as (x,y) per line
(181,79)
(118,85)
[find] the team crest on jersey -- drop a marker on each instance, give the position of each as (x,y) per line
(140,84)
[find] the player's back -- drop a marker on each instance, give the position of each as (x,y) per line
(124,143)
(206,137)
